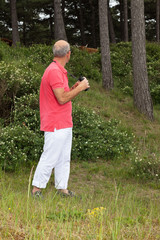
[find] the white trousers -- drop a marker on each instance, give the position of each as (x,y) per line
(56,154)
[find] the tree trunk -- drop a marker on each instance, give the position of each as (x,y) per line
(93,31)
(81,23)
(15,33)
(24,30)
(59,28)
(122,19)
(142,97)
(63,8)
(111,27)
(157,19)
(105,48)
(125,5)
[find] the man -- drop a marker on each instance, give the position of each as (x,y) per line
(56,122)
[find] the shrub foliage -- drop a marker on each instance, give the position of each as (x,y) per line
(146,166)
(21,70)
(95,138)
(19,146)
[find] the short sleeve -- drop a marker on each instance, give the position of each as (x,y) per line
(55,78)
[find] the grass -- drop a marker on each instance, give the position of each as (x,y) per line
(113,206)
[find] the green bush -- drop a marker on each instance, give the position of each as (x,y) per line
(155,93)
(146,166)
(16,81)
(121,58)
(19,146)
(40,53)
(84,64)
(153,63)
(19,79)
(27,111)
(153,51)
(4,50)
(94,138)
(1,55)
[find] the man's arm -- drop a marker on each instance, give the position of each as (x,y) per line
(64,97)
(75,85)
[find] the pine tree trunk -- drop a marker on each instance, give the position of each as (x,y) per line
(81,23)
(93,31)
(59,28)
(111,27)
(24,30)
(125,5)
(157,19)
(105,48)
(142,97)
(15,33)
(122,19)
(51,26)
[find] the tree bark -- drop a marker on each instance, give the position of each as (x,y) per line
(111,27)
(142,97)
(59,28)
(93,31)
(24,30)
(105,47)
(81,24)
(14,21)
(157,20)
(51,25)
(125,5)
(121,19)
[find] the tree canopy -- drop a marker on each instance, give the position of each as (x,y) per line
(81,20)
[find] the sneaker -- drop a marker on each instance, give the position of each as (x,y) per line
(68,194)
(37,195)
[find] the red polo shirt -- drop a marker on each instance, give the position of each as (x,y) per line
(52,114)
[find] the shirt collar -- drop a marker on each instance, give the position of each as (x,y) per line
(60,66)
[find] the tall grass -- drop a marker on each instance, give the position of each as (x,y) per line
(108,209)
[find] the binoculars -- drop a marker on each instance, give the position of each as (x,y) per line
(81,79)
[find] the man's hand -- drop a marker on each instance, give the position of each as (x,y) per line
(64,97)
(85,83)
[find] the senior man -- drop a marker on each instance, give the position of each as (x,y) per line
(56,122)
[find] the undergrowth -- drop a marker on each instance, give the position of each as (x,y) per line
(105,123)
(119,188)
